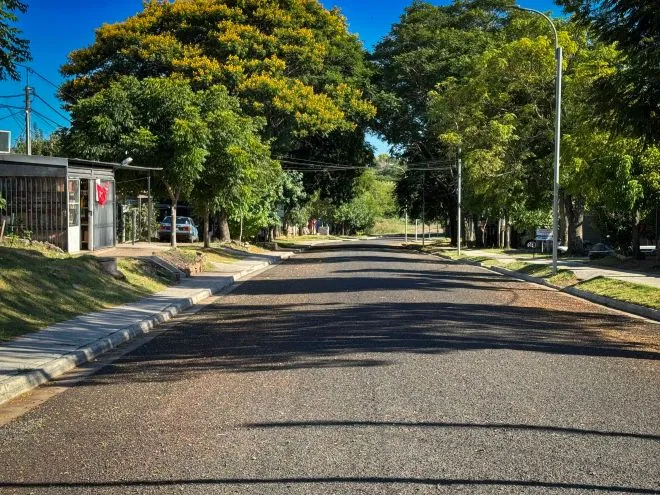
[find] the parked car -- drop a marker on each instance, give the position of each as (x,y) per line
(648,249)
(186,230)
(600,250)
(533,244)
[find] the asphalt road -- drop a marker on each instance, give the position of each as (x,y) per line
(361,369)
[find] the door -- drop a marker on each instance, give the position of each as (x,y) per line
(73,236)
(104,214)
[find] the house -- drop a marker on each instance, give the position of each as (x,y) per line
(67,202)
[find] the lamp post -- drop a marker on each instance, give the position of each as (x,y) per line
(555,190)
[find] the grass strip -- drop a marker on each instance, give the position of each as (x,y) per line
(644,295)
(38,289)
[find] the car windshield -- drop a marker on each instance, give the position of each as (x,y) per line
(179,220)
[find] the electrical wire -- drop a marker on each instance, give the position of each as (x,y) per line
(13,107)
(10,115)
(52,108)
(43,117)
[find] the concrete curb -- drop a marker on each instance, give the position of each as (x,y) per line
(29,379)
(633,309)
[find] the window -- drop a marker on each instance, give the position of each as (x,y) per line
(74,202)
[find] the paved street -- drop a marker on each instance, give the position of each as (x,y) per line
(361,368)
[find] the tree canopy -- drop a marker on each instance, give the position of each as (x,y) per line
(292,62)
(13,48)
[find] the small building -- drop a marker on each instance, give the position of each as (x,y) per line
(67,202)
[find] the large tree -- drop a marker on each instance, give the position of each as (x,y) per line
(158,121)
(13,48)
(290,61)
(628,99)
(238,170)
(430,44)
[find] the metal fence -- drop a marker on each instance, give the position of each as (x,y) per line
(36,206)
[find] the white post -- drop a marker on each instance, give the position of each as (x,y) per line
(415,230)
(406,234)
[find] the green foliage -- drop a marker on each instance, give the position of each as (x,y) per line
(628,98)
(238,172)
(156,120)
(291,196)
(373,199)
(295,64)
(142,223)
(14,49)
(51,145)
(3,203)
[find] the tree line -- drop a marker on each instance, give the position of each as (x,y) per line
(218,93)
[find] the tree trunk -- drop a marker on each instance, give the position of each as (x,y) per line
(563,221)
(174,197)
(207,235)
(484,228)
(636,218)
(574,207)
(225,235)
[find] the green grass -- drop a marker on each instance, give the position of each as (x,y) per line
(39,288)
(212,255)
(643,295)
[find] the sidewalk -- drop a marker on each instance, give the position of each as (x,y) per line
(582,270)
(36,358)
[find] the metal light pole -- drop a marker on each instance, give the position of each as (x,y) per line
(555,189)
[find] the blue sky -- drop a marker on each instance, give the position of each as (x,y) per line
(55,28)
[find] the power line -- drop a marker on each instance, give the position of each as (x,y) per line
(43,117)
(12,96)
(52,108)
(13,107)
(10,115)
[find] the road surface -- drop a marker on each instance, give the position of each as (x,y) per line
(361,368)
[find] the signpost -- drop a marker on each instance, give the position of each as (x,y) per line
(543,235)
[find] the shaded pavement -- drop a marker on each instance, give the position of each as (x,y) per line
(361,368)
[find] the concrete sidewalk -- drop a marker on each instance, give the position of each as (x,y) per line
(36,358)
(582,270)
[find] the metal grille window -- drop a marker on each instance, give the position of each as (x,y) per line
(37,205)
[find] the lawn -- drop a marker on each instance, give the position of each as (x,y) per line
(643,295)
(39,288)
(212,254)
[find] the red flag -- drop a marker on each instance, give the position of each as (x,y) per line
(101,193)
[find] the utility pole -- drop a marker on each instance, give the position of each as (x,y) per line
(460,185)
(28,111)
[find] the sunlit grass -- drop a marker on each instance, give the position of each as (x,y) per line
(39,289)
(620,290)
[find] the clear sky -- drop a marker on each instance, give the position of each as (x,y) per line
(55,28)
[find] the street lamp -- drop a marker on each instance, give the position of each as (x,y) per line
(555,191)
